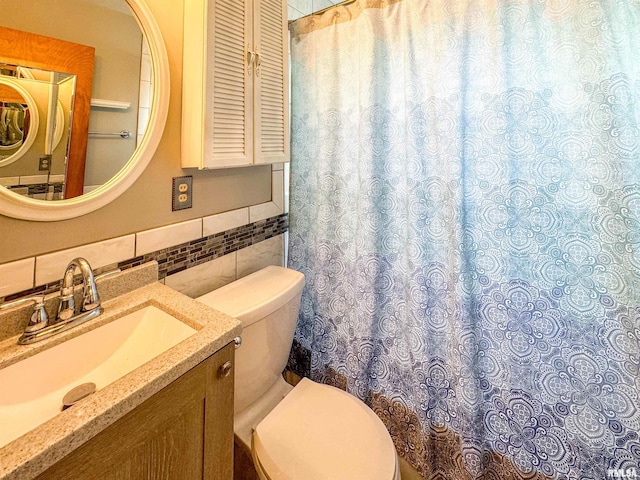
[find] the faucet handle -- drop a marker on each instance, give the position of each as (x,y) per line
(39,318)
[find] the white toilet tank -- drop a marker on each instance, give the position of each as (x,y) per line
(267,304)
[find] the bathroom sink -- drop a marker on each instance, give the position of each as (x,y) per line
(31,391)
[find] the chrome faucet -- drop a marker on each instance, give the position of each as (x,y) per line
(90,297)
(41,326)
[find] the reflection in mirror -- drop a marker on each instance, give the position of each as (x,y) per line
(50,95)
(66,161)
(19,120)
(14,126)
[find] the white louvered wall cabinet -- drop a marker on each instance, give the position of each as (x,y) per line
(235,83)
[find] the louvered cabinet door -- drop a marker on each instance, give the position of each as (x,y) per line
(217,113)
(271,90)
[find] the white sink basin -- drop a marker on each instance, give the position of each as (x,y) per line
(31,391)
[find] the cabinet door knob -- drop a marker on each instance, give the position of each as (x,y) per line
(225,369)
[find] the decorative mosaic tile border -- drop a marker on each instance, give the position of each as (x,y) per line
(190,254)
(39,189)
(196,252)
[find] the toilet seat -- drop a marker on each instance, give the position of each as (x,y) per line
(318,432)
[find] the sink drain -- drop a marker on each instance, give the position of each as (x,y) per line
(76,394)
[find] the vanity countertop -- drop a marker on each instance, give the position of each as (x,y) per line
(31,454)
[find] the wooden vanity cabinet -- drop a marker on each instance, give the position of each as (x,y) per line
(184,432)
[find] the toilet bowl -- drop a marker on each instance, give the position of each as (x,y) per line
(307,432)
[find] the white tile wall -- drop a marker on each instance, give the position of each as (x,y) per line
(224,221)
(8,181)
(204,278)
(145,95)
(146,91)
(34,179)
(143,120)
(300,8)
(262,211)
(163,237)
(145,69)
(277,189)
(90,188)
(260,255)
(305,7)
(56,178)
(321,4)
(293,14)
(16,276)
(50,267)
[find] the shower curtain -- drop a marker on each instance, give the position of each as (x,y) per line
(465,206)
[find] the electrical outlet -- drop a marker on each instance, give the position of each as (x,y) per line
(44,165)
(182,193)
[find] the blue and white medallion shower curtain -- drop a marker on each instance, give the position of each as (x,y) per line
(465,206)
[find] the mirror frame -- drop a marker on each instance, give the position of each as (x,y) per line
(33,127)
(25,208)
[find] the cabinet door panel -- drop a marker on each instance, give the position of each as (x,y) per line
(271,98)
(217,114)
(162,439)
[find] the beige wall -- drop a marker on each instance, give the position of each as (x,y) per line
(147,203)
(118,43)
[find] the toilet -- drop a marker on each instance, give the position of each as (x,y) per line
(307,432)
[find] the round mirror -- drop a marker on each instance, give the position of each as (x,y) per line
(103,76)
(19,121)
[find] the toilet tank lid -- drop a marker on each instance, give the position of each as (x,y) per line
(257,295)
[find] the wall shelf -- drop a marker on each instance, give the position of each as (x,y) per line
(113,104)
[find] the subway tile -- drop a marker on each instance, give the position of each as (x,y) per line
(263,211)
(145,95)
(277,189)
(9,181)
(170,235)
(205,277)
(50,267)
(145,68)
(56,178)
(33,179)
(293,14)
(321,4)
(304,6)
(224,221)
(143,120)
(260,255)
(16,276)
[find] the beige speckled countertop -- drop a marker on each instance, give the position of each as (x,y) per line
(34,452)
